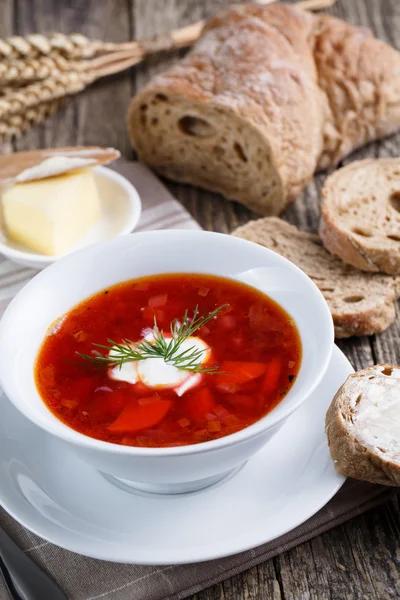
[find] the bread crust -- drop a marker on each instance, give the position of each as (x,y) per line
(360,303)
(353,455)
(274,93)
(12,165)
(360,219)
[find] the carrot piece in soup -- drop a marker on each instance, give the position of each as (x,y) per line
(157,301)
(148,314)
(199,404)
(135,416)
(214,426)
(237,371)
(203,291)
(271,377)
(47,375)
(227,387)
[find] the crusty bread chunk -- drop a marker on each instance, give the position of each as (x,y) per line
(363,426)
(241,114)
(360,303)
(360,214)
(267,96)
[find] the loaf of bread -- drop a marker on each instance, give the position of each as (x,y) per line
(360,220)
(360,303)
(363,426)
(267,96)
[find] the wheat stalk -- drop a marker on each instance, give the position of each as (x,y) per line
(74,46)
(63,84)
(6,90)
(21,71)
(15,125)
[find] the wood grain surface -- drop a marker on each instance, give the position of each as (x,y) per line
(361,559)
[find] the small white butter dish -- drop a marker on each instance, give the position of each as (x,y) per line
(120,212)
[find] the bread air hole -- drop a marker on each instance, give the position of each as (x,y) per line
(196,127)
(158,98)
(395,238)
(395,200)
(362,231)
(240,152)
(353,299)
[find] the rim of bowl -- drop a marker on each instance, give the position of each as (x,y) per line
(254,430)
(130,224)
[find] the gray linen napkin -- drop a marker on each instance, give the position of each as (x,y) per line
(88,579)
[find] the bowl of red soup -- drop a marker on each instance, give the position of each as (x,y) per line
(165,359)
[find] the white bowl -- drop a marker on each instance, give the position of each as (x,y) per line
(120,212)
(65,283)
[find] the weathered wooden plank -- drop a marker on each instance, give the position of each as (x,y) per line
(259,583)
(352,562)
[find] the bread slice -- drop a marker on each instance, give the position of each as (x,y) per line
(360,303)
(360,214)
(363,426)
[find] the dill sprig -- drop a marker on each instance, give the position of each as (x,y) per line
(159,346)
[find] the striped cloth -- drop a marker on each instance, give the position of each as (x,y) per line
(88,579)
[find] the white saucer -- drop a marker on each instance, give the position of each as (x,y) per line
(63,500)
(120,213)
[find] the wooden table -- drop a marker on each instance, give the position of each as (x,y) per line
(359,560)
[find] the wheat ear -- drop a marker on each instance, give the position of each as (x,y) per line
(63,84)
(15,125)
(74,46)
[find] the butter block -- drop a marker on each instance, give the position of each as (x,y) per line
(50,215)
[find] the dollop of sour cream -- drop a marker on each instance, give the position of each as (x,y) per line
(158,374)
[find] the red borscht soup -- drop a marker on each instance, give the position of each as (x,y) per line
(168,360)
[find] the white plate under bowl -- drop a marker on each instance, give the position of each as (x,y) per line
(62,499)
(120,212)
